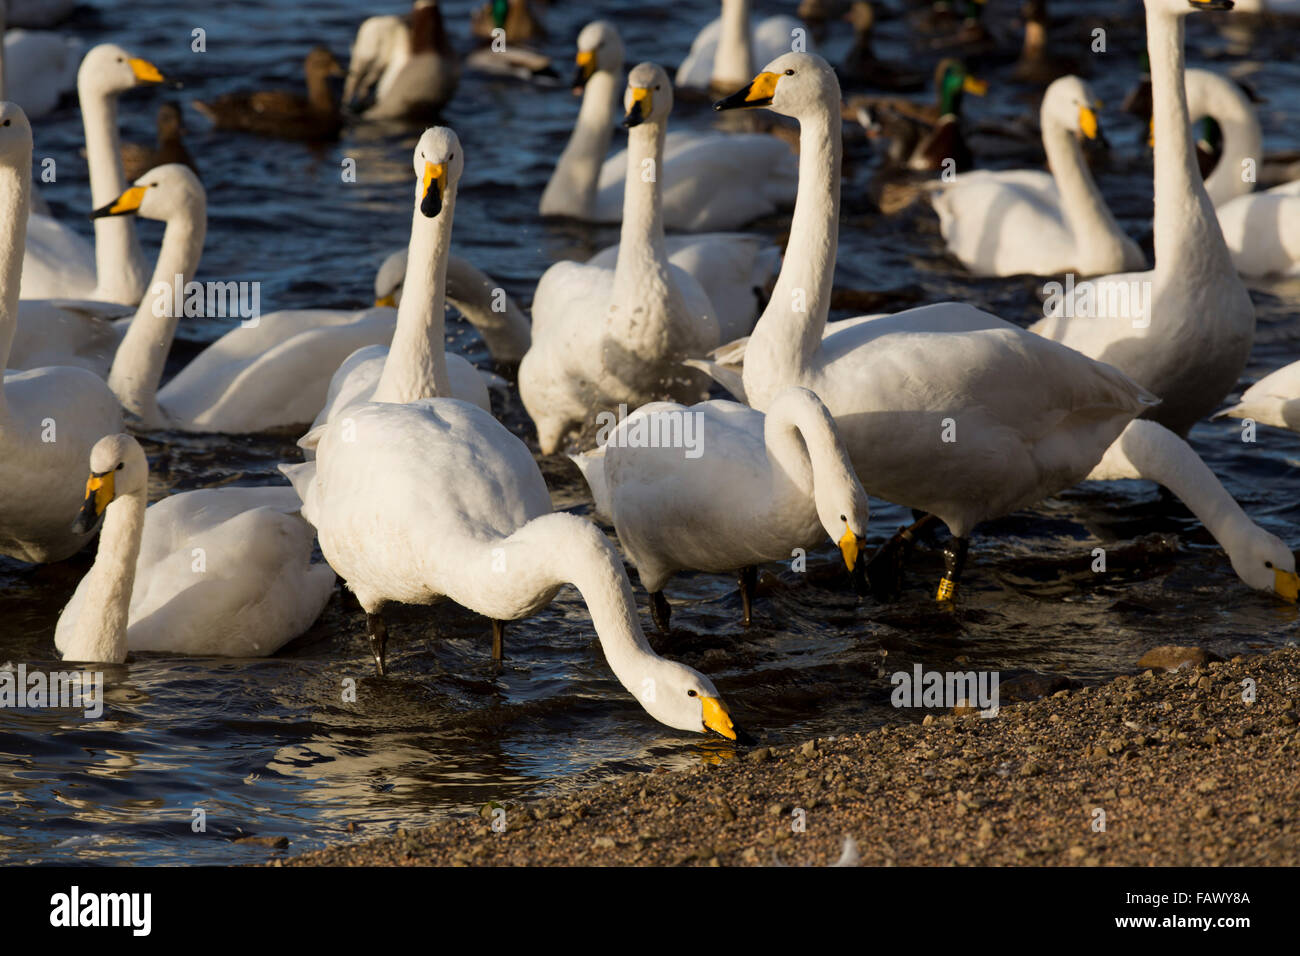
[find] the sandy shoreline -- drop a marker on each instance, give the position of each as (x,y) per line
(1179,768)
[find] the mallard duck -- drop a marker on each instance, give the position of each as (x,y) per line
(282,114)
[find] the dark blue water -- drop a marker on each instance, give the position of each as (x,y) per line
(269,747)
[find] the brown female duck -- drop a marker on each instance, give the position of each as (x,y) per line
(282,114)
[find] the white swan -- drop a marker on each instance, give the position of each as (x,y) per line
(221,572)
(1150,451)
(724,54)
(505,329)
(416,364)
(788,479)
(1029,222)
(1216,97)
(60,264)
(1183,330)
(605,336)
(944,408)
(711,181)
(271,374)
(436,499)
(407,62)
(37,69)
(1273,400)
(49,417)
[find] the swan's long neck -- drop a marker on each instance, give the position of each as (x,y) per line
(559,549)
(789,332)
(1157,454)
(503,325)
(416,366)
(15,199)
(1085,211)
(1187,234)
(641,275)
(99,633)
(578,170)
(138,365)
(119,264)
(1222,100)
(733,63)
(802,442)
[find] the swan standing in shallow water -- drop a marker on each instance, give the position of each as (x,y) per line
(788,479)
(1150,451)
(222,572)
(1183,330)
(944,408)
(271,374)
(710,181)
(724,53)
(1029,222)
(49,417)
(59,263)
(604,337)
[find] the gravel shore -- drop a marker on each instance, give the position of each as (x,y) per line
(1157,768)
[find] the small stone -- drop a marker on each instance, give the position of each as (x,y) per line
(777,810)
(1171,657)
(928,721)
(272,843)
(1030,769)
(567,821)
(603,843)
(761,755)
(809,748)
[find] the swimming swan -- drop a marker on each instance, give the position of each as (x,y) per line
(724,53)
(1024,221)
(60,264)
(273,372)
(49,417)
(710,181)
(223,572)
(608,336)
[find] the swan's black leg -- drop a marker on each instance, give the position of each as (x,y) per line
(660,611)
(378,632)
(748,578)
(498,640)
(954,559)
(884,570)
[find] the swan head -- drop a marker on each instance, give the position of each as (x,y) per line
(1265,563)
(163,193)
(117,467)
(389,279)
(438,163)
(649,95)
(794,84)
(1070,104)
(108,70)
(15,136)
(600,48)
(683,698)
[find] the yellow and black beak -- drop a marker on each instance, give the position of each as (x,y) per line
(1286,584)
(123,205)
(585,68)
(1211,4)
(718,719)
(145,72)
(434,185)
(639,111)
(99,492)
(389,300)
(760,91)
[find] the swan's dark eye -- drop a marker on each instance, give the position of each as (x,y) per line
(153,185)
(690,693)
(1268,564)
(789,72)
(119,466)
(6,122)
(844,519)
